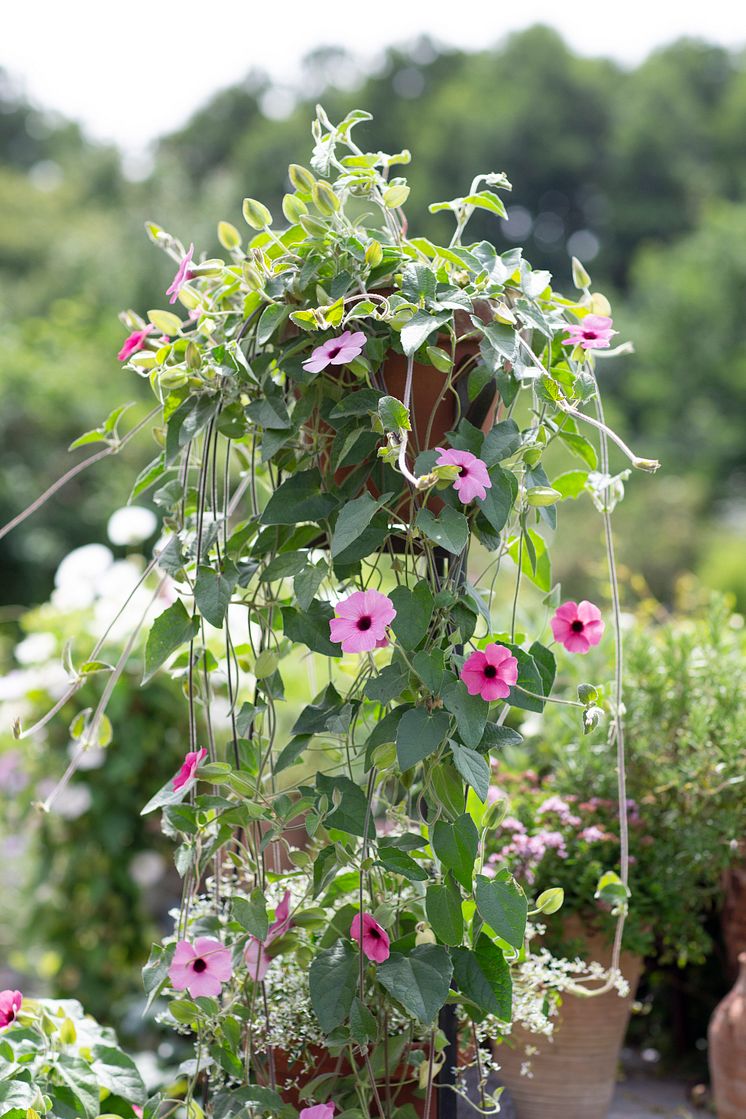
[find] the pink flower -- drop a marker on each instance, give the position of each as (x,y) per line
(560,808)
(10,1004)
(594,834)
(577,626)
(360,621)
(183,275)
(200,968)
(318,1111)
(336,351)
(376,943)
(592,333)
(188,771)
(491,673)
(134,342)
(473,479)
(255,956)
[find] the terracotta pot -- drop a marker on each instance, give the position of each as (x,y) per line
(733,917)
(574,1072)
(288,1071)
(727,1052)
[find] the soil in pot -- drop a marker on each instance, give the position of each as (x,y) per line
(574,1073)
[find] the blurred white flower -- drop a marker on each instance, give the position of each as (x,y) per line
(132,524)
(75,578)
(36,648)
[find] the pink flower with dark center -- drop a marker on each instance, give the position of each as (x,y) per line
(188,771)
(318,1111)
(255,955)
(200,968)
(491,673)
(134,342)
(183,275)
(336,351)
(473,479)
(10,1004)
(594,332)
(360,621)
(376,943)
(577,626)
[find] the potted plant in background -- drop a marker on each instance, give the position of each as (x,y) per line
(345,415)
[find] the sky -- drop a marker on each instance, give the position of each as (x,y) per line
(133,71)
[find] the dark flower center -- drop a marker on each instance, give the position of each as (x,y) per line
(374,933)
(590,334)
(364,623)
(333,351)
(490,671)
(576,626)
(199,965)
(463,471)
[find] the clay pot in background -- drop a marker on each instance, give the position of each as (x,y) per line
(727,1050)
(733,918)
(574,1073)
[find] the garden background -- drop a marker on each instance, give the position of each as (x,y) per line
(638,171)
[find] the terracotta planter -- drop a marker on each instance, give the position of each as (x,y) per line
(574,1072)
(727,1052)
(733,917)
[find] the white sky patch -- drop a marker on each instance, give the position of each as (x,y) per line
(133,71)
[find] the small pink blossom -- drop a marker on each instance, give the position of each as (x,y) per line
(491,673)
(336,351)
(134,342)
(183,275)
(188,771)
(10,1004)
(376,943)
(594,332)
(559,808)
(360,621)
(318,1111)
(594,834)
(473,479)
(200,968)
(577,626)
(255,955)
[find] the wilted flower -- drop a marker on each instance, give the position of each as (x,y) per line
(183,275)
(200,968)
(255,955)
(490,673)
(336,351)
(577,626)
(134,342)
(10,1004)
(360,621)
(473,479)
(375,940)
(192,761)
(594,332)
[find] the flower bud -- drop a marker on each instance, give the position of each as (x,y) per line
(324,198)
(228,235)
(550,901)
(373,254)
(425,935)
(580,276)
(293,208)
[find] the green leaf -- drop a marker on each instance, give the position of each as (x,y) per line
(308,581)
(311,627)
(170,630)
(350,809)
(393,414)
(419,328)
(291,752)
(570,484)
(496,736)
(501,442)
(500,498)
(443,908)
(473,768)
(484,977)
(353,518)
(450,530)
(398,861)
(155,973)
(332,982)
(388,684)
(251,913)
(16,1095)
(430,667)
(414,609)
(470,712)
(529,677)
(418,735)
(271,317)
(298,499)
(581,447)
(118,1073)
(487,200)
(363,1025)
(79,1078)
(456,845)
(503,906)
(535,564)
(213,590)
(420,981)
